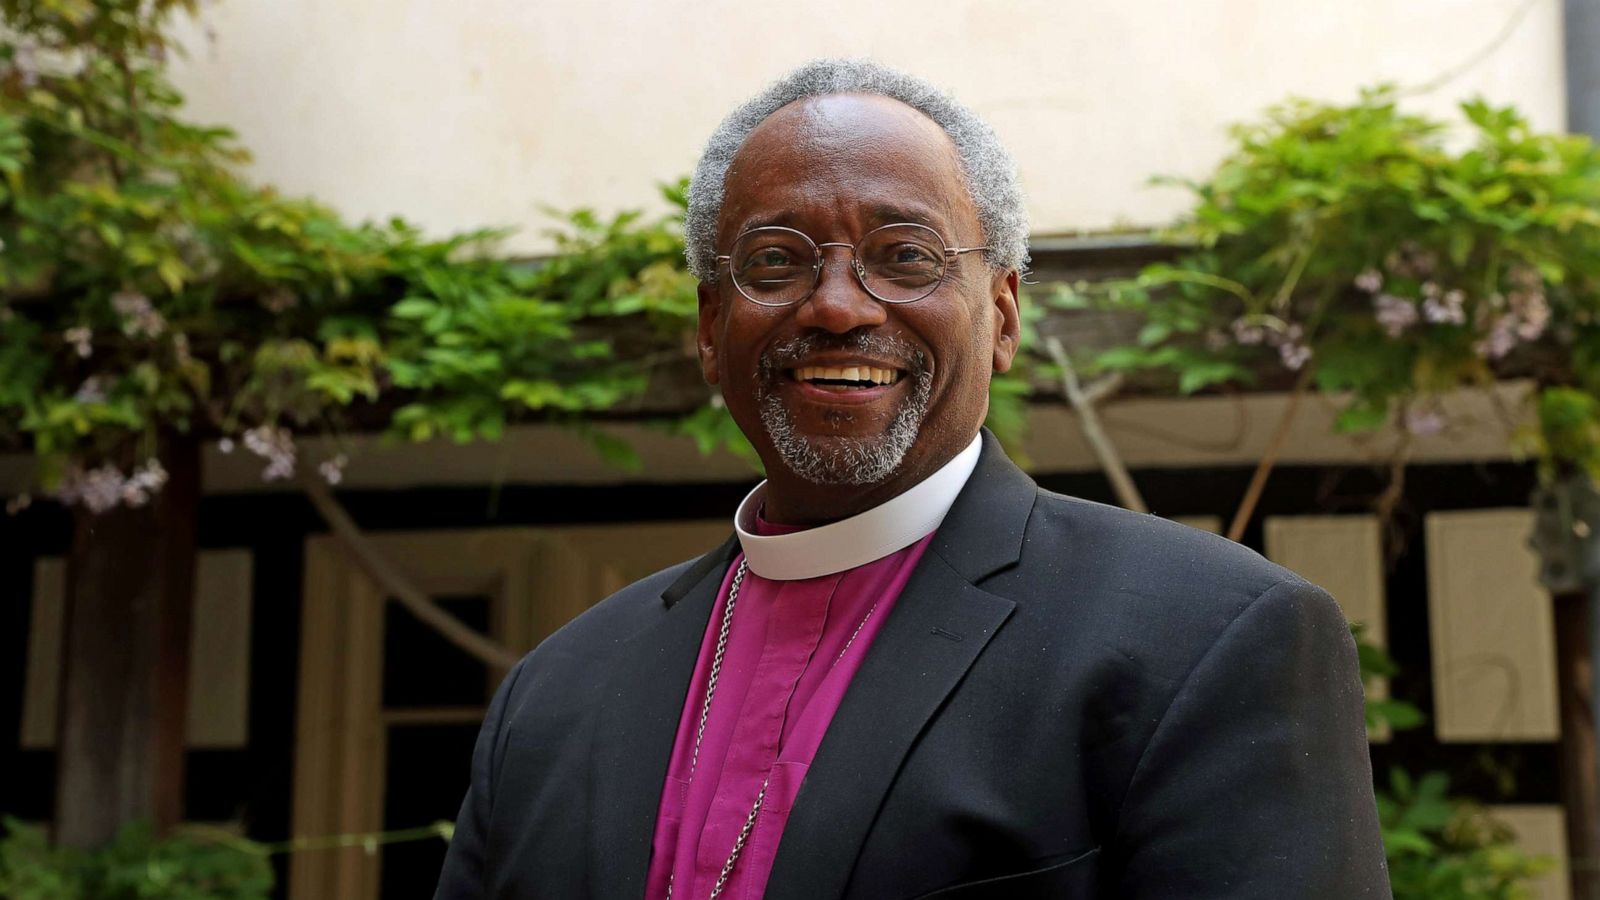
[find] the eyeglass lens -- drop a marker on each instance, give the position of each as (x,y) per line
(779,266)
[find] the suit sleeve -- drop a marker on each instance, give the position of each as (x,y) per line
(464,876)
(1257,782)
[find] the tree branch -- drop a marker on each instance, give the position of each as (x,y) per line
(419,604)
(1083,402)
(1269,458)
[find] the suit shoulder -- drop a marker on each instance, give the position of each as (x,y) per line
(1148,597)
(1151,551)
(1143,578)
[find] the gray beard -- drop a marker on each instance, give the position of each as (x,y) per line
(841,460)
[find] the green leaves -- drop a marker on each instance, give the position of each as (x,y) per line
(1442,848)
(145,286)
(135,865)
(1354,240)
(1568,435)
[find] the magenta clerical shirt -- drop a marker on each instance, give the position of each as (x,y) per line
(793,646)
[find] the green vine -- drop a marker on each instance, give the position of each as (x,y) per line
(147,289)
(1357,243)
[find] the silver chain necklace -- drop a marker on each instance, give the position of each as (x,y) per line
(705,714)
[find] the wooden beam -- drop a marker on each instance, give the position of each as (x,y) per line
(130,579)
(1580,787)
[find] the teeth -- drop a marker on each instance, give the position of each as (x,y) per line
(847,373)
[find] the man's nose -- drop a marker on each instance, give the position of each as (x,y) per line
(840,304)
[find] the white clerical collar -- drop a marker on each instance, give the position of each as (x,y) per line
(860,539)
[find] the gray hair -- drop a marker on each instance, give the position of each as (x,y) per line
(987,167)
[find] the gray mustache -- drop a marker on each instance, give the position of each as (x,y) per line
(786,354)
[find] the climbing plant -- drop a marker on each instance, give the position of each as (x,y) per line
(147,288)
(1387,259)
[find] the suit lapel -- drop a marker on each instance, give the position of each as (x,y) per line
(937,629)
(636,727)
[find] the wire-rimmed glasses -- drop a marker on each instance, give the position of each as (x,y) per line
(898,263)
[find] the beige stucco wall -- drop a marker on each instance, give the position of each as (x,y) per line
(464,114)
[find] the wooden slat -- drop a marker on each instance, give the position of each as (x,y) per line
(219,651)
(340,738)
(316,722)
(42,682)
(1491,629)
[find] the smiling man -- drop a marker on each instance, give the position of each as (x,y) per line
(910,672)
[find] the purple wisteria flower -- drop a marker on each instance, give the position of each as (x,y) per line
(139,318)
(143,483)
(1531,312)
(1293,351)
(1502,337)
(1423,422)
(93,390)
(1395,314)
(1448,308)
(1294,356)
(276,446)
(332,470)
(81,337)
(1248,331)
(105,488)
(25,61)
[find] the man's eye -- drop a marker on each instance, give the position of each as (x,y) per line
(769,258)
(908,257)
(909,253)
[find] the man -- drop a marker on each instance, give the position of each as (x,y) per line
(910,672)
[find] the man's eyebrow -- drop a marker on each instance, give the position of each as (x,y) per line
(768,220)
(890,213)
(876,214)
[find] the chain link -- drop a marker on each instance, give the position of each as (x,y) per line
(738,845)
(705,714)
(700,733)
(716,665)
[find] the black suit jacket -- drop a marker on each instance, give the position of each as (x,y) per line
(1069,700)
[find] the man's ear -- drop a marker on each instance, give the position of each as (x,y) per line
(706,330)
(1007,319)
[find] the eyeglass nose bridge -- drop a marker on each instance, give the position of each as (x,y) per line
(855,266)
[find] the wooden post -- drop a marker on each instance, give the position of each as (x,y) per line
(1580,778)
(125,658)
(1566,536)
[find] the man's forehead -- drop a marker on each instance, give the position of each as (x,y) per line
(829,123)
(852,141)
